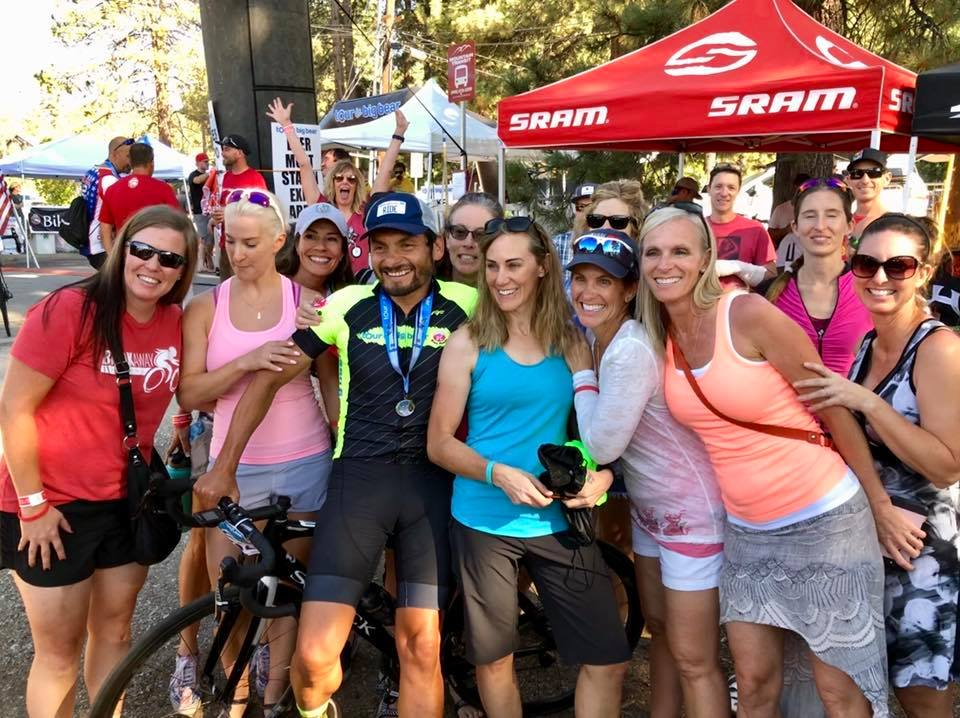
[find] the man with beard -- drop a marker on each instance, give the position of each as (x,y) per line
(744,248)
(389,337)
(239,175)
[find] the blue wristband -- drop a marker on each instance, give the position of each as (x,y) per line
(488,474)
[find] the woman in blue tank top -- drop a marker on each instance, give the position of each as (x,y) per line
(505,370)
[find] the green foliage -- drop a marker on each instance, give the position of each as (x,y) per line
(57,192)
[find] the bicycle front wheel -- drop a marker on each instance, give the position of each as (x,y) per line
(140,683)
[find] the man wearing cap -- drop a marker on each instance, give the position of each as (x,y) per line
(93,187)
(129,195)
(687,189)
(581,199)
(388,337)
(201,220)
(239,175)
(866,176)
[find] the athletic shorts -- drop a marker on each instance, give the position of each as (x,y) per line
(572,581)
(304,480)
(680,571)
(101,538)
(369,502)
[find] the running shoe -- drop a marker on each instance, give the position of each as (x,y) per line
(260,668)
(184,696)
(389,698)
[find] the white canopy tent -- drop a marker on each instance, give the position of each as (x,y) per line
(71,157)
(426,111)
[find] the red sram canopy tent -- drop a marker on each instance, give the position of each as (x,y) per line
(757,75)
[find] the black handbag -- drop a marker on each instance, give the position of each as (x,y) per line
(155,533)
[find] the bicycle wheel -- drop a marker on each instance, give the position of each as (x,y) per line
(546,684)
(140,682)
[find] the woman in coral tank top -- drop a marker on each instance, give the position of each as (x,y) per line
(800,541)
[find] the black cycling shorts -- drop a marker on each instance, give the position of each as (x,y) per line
(573,584)
(101,538)
(369,502)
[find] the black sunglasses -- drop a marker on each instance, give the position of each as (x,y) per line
(872,173)
(459,232)
(510,224)
(866,267)
(144,251)
(617,221)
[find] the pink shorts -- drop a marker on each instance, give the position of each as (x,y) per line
(695,570)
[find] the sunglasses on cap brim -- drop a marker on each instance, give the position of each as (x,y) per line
(607,246)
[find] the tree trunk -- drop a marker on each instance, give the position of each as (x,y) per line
(342,48)
(951,209)
(160,66)
(789,164)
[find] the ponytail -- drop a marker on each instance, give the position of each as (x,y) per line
(780,283)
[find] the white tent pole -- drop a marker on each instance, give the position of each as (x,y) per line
(446,186)
(502,175)
(681,160)
(26,231)
(911,165)
(430,179)
(875,139)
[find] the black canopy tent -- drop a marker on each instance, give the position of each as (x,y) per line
(936,110)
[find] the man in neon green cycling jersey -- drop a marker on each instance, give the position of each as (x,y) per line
(389,337)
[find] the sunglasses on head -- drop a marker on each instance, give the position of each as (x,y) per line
(144,251)
(871,172)
(617,221)
(688,207)
(352,179)
(813,182)
(607,246)
(459,232)
(261,199)
(866,267)
(510,224)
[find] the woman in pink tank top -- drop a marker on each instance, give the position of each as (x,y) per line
(801,546)
(240,328)
(816,291)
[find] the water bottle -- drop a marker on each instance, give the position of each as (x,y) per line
(178,467)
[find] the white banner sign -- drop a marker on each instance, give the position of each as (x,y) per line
(286,174)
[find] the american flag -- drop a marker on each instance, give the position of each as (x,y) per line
(6,205)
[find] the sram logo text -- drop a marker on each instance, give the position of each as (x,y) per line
(761,103)
(580,117)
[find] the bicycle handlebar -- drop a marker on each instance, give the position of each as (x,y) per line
(247,576)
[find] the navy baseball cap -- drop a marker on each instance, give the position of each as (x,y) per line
(401,211)
(583,190)
(611,250)
(869,155)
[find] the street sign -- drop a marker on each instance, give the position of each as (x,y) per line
(461,72)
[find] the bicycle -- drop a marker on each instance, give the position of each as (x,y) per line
(269,583)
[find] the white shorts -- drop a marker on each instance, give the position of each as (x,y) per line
(304,480)
(678,571)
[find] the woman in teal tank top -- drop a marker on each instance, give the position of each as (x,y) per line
(505,370)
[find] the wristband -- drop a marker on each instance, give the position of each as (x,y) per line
(286,127)
(182,419)
(587,387)
(30,500)
(398,137)
(28,519)
(488,474)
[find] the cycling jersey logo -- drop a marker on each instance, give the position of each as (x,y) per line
(720,52)
(436,337)
(439,338)
(160,368)
(133,182)
(392,207)
(836,55)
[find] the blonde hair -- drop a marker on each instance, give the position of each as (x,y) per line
(272,219)
(630,192)
(552,318)
(707,290)
(361,192)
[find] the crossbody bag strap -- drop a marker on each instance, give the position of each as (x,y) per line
(811,437)
(128,416)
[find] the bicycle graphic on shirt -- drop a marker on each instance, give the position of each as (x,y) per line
(165,370)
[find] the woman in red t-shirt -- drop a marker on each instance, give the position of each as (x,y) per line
(64,523)
(343,185)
